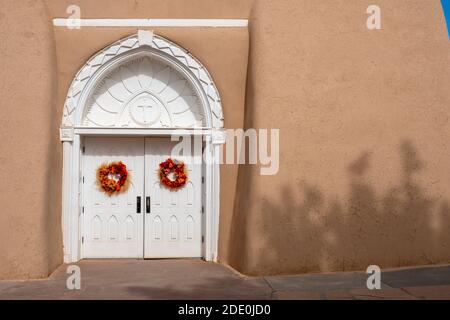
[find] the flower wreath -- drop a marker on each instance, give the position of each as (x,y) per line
(178,168)
(113,177)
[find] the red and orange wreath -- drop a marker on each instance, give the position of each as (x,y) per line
(112,177)
(177,168)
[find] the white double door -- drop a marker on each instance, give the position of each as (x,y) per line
(147,220)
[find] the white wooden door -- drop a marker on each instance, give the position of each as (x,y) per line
(173,221)
(112,226)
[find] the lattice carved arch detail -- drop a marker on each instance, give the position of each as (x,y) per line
(167,50)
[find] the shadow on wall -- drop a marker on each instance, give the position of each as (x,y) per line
(402,227)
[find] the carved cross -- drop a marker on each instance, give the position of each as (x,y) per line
(145,105)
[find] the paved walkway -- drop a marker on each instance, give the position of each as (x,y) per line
(195,279)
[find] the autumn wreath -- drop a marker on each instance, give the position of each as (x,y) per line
(112,177)
(175,167)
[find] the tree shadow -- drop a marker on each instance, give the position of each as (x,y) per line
(308,231)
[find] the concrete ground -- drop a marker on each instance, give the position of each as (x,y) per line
(196,279)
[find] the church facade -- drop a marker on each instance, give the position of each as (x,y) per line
(120,120)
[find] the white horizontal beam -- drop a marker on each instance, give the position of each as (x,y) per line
(215,23)
(141,131)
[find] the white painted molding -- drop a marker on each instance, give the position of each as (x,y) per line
(156,46)
(73,132)
(211,23)
(86,131)
(141,91)
(145,37)
(66,134)
(219,136)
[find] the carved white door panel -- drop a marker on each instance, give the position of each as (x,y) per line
(112,225)
(173,221)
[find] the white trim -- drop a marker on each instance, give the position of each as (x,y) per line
(142,51)
(215,206)
(214,23)
(73,201)
(137,44)
(141,131)
(66,199)
(72,133)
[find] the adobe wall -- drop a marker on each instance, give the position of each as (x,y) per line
(40,62)
(364,116)
(30,217)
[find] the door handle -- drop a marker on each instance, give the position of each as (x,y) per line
(147,204)
(138,204)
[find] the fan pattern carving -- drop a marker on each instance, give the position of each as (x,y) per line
(144,92)
(149,101)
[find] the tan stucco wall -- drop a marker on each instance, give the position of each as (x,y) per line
(365,157)
(30,215)
(31,245)
(156,9)
(363,117)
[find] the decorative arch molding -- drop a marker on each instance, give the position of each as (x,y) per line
(188,80)
(129,48)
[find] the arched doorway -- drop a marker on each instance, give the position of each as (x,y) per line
(127,102)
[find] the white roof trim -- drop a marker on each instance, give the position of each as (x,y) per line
(215,23)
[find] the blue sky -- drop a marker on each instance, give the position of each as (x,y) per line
(446,7)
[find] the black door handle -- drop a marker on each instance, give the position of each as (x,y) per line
(147,200)
(138,204)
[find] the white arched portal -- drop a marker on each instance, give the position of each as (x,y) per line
(143,85)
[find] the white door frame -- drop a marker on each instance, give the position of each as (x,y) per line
(73,196)
(72,132)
